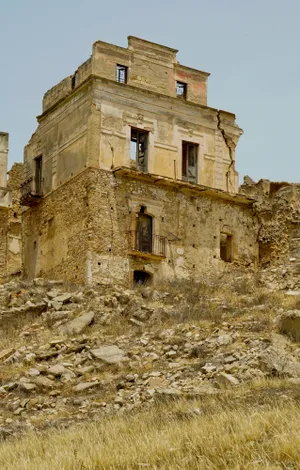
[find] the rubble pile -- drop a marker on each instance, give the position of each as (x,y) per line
(69,354)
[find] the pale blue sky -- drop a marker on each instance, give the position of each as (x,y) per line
(251,49)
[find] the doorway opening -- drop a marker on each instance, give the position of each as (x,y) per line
(226,247)
(141,277)
(144,232)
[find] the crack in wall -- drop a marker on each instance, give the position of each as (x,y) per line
(227,141)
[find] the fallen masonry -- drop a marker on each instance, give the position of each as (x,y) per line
(88,358)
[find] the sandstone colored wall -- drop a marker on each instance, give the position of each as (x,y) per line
(3,158)
(79,232)
(87,118)
(56,233)
(3,241)
(61,139)
(119,112)
(10,226)
(14,233)
(277,208)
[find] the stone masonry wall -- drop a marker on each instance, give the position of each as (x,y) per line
(277,208)
(14,234)
(55,233)
(191,223)
(79,232)
(3,241)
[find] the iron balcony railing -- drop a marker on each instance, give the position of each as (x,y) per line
(29,194)
(147,243)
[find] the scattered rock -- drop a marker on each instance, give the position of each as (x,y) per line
(81,387)
(289,323)
(108,354)
(223,380)
(77,325)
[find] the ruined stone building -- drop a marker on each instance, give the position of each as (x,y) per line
(10,213)
(131,175)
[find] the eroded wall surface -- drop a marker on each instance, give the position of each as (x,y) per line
(277,208)
(10,225)
(80,232)
(56,233)
(14,232)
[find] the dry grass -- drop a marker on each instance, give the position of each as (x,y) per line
(223,434)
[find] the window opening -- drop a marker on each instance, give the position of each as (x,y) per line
(141,277)
(144,233)
(181,89)
(121,73)
(38,176)
(138,148)
(226,247)
(189,161)
(73,81)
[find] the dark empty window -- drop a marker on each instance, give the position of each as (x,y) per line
(121,73)
(73,81)
(226,247)
(144,232)
(141,277)
(189,161)
(38,174)
(181,89)
(138,148)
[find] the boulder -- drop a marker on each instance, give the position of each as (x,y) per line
(62,298)
(57,370)
(81,387)
(278,363)
(289,324)
(78,324)
(108,354)
(5,353)
(224,380)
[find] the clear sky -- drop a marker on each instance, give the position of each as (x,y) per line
(250,47)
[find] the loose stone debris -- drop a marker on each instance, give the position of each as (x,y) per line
(89,358)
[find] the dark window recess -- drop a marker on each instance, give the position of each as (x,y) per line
(181,89)
(73,81)
(38,174)
(226,247)
(121,73)
(141,277)
(189,161)
(138,148)
(144,232)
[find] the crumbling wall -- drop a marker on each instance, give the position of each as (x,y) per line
(3,241)
(277,208)
(80,232)
(55,233)
(14,229)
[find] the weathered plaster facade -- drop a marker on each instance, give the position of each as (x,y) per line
(10,214)
(128,140)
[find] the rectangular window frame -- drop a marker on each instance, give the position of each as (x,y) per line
(181,90)
(38,175)
(141,138)
(190,152)
(121,73)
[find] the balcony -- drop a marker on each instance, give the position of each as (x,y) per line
(147,245)
(30,196)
